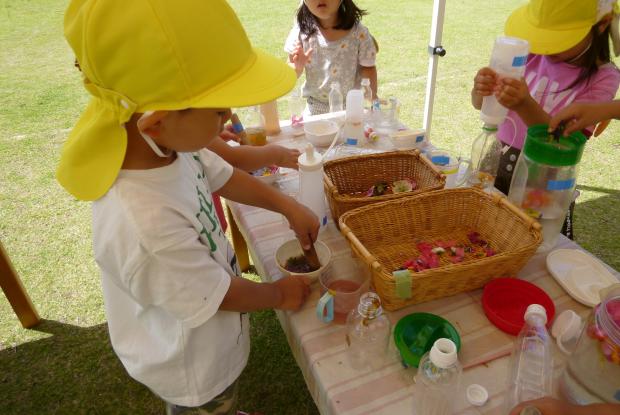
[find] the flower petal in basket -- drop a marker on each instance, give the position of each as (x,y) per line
(385,236)
(349,176)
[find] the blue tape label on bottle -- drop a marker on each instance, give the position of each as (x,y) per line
(237,127)
(519,61)
(560,184)
(419,138)
(440,160)
(351,141)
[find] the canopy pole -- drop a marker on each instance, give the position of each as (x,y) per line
(435,50)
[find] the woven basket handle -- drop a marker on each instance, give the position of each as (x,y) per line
(359,249)
(502,200)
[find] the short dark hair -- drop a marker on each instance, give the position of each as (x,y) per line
(348,16)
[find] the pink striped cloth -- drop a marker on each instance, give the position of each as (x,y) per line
(319,348)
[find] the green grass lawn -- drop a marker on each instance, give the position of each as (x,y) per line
(66,365)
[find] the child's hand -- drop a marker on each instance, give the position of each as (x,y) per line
(286,157)
(484,82)
(228,134)
(512,93)
(300,58)
(294,291)
(578,116)
(303,222)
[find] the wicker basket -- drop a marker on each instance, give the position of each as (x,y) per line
(385,235)
(350,175)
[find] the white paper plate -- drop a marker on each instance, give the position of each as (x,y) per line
(580,274)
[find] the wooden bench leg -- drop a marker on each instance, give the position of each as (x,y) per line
(15,292)
(239,244)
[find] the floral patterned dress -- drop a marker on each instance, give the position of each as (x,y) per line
(332,61)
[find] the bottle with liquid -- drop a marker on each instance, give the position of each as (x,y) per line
(507,60)
(486,152)
(367,92)
(544,179)
(311,193)
(368,333)
(335,98)
(269,111)
(531,364)
(255,127)
(354,125)
(437,381)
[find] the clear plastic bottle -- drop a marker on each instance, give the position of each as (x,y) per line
(335,98)
(311,192)
(438,380)
(367,92)
(544,179)
(368,333)
(485,156)
(531,365)
(507,60)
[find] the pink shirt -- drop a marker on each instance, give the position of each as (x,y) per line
(547,82)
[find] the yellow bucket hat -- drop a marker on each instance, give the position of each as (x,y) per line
(552,26)
(145,55)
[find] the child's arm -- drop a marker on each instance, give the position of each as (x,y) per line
(370,72)
(246,189)
(299,58)
(550,406)
(580,115)
(484,85)
(288,293)
(514,94)
(250,158)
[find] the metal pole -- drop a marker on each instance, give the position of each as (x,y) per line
(435,50)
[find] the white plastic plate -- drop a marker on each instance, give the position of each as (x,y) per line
(580,274)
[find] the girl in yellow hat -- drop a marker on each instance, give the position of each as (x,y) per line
(569,62)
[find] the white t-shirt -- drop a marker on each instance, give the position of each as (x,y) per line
(165,268)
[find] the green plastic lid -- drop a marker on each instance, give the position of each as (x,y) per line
(541,147)
(416,333)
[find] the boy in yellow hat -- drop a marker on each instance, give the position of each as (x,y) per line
(569,62)
(162,78)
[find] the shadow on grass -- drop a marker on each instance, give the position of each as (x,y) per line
(75,371)
(597,224)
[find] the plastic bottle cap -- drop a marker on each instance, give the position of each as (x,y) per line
(566,325)
(536,309)
(477,395)
(310,160)
(365,81)
(443,353)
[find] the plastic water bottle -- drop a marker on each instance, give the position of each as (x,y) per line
(353,125)
(335,98)
(438,379)
(367,92)
(368,333)
(311,193)
(507,60)
(531,365)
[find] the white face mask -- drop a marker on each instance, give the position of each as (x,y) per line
(150,141)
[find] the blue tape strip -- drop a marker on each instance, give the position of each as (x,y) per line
(440,160)
(237,127)
(351,141)
(519,60)
(560,184)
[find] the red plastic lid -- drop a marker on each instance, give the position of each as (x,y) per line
(505,300)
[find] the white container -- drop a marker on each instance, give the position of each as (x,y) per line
(269,112)
(448,165)
(335,98)
(292,249)
(353,124)
(408,139)
(438,380)
(507,60)
(311,192)
(321,133)
(531,364)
